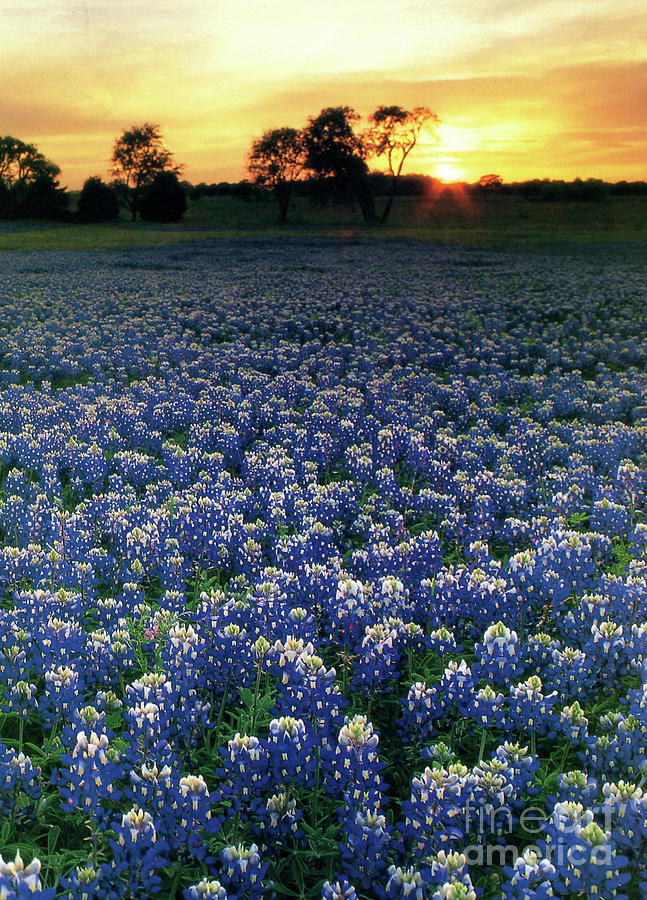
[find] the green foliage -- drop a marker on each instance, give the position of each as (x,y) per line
(578,521)
(621,557)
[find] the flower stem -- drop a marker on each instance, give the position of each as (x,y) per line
(482,745)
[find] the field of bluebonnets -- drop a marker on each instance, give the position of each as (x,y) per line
(323,572)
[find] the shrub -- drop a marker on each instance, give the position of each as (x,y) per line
(98,202)
(163,200)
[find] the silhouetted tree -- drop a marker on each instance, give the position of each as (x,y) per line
(275,161)
(42,199)
(138,156)
(23,162)
(98,201)
(6,206)
(21,166)
(490,182)
(245,190)
(163,200)
(334,150)
(393,133)
(487,186)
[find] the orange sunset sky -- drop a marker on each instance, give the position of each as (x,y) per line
(523,88)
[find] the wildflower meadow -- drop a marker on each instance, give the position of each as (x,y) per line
(323,572)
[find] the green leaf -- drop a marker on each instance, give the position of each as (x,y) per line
(52,838)
(247,696)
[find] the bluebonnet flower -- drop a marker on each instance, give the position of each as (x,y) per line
(531,878)
(17,774)
(244,871)
(610,518)
(584,855)
(455,890)
(440,753)
(442,641)
(338,890)
(88,780)
(353,767)
(570,672)
(621,749)
(182,655)
(537,652)
(154,787)
(435,814)
(405,884)
(276,820)
(195,818)
(365,848)
(490,804)
(422,707)
(13,663)
(530,709)
(18,880)
(498,658)
(89,883)
(376,667)
(206,890)
(637,649)
(524,765)
(348,615)
(244,773)
(624,811)
(574,723)
(488,708)
(21,698)
(576,786)
(290,750)
(229,658)
(309,691)
(88,719)
(607,647)
(456,687)
(138,852)
(62,685)
(447,868)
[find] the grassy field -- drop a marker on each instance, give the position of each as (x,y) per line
(497,221)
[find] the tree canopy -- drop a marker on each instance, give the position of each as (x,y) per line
(334,150)
(393,132)
(138,156)
(275,161)
(23,162)
(28,185)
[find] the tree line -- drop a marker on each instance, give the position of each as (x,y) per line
(334,154)
(327,160)
(144,174)
(144,182)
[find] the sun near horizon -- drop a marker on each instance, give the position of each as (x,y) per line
(522,89)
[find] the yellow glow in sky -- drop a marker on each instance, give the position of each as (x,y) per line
(524,88)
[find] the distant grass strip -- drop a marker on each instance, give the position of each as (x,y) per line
(500,223)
